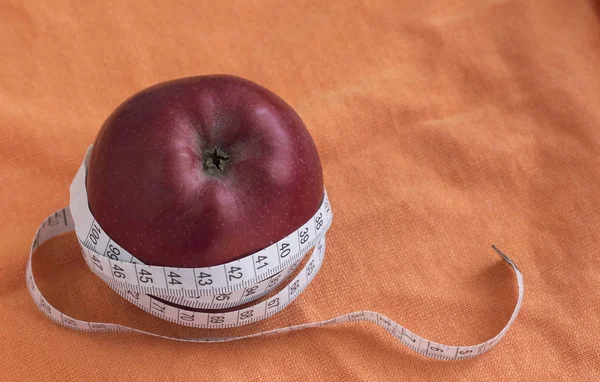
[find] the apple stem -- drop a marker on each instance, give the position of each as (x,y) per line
(215,161)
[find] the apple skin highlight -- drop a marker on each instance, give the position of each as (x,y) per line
(200,171)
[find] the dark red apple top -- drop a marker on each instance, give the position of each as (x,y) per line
(203,170)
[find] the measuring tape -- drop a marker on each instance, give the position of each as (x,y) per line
(180,295)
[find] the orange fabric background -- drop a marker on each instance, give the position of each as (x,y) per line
(443,127)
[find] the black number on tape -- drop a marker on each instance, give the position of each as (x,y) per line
(433,348)
(327,206)
(273,281)
(69,321)
(94,235)
(145,276)
(273,303)
(284,250)
(311,268)
(187,316)
(46,306)
(246,314)
(118,271)
(223,297)
(260,261)
(412,339)
(204,279)
(217,319)
(113,252)
(463,352)
(319,220)
(250,291)
(304,236)
(157,306)
(53,220)
(96,261)
(173,278)
(135,295)
(294,287)
(235,273)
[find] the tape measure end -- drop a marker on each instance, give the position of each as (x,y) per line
(503,256)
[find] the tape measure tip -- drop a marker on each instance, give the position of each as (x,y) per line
(503,256)
(499,252)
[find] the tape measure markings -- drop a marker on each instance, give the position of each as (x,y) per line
(225,286)
(232,275)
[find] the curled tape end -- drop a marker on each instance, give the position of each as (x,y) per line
(504,257)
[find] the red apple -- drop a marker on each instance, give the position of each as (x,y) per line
(203,170)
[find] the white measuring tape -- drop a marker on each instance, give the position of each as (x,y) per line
(165,291)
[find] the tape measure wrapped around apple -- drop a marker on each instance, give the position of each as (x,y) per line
(200,197)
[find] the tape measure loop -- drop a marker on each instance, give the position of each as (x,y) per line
(166,291)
